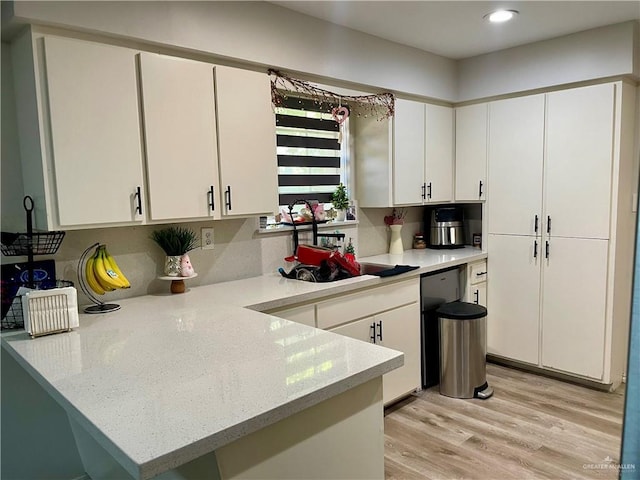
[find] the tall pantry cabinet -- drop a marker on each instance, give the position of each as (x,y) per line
(560,227)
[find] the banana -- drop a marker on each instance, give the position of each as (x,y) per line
(105,285)
(89,275)
(110,262)
(105,275)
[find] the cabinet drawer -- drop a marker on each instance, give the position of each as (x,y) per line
(370,302)
(305,314)
(478,272)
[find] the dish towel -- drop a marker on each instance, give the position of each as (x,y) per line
(397,270)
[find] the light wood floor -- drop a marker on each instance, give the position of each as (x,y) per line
(533,427)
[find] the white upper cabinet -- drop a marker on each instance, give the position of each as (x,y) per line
(439,148)
(516,140)
(408,152)
(246,142)
(180,138)
(471,152)
(96,155)
(408,161)
(579,160)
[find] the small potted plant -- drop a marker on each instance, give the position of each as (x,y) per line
(340,201)
(176,242)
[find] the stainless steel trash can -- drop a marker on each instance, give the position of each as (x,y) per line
(463,350)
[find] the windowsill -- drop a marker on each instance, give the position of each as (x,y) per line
(279,228)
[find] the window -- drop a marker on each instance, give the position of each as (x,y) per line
(310,157)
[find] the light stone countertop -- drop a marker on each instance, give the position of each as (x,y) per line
(168,378)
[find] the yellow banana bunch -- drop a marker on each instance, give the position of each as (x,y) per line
(102,272)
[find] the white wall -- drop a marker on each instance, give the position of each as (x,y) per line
(13,217)
(598,53)
(259,33)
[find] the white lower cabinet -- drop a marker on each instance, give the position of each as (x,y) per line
(306,314)
(514,296)
(398,329)
(549,311)
(388,316)
(573,318)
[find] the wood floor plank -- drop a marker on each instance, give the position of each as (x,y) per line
(534,427)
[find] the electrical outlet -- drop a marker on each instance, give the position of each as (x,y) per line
(206,238)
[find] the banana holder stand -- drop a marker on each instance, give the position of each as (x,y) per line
(99,307)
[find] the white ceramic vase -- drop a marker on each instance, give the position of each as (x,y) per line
(395,245)
(341,215)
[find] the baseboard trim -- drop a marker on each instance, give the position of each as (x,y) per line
(606,387)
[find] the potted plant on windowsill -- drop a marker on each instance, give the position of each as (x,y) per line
(340,201)
(176,242)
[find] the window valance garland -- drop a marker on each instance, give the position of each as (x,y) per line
(378,106)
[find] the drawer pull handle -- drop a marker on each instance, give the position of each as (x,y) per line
(372,327)
(138,196)
(211,199)
(477,295)
(479,274)
(380,330)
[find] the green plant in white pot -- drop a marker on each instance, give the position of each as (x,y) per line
(340,201)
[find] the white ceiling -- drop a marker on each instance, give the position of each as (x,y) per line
(457,30)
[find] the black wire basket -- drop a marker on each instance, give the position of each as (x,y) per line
(36,243)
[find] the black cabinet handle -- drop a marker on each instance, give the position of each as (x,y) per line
(429,190)
(212,203)
(535,228)
(535,249)
(549,224)
(480,189)
(138,197)
(477,295)
(227,197)
(380,330)
(546,249)
(423,195)
(372,327)
(479,274)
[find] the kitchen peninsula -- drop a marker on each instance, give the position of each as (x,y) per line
(178,386)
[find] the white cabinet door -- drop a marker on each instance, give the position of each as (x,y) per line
(573,306)
(578,161)
(246,141)
(477,294)
(305,314)
(398,329)
(180,137)
(516,140)
(439,148)
(513,291)
(401,331)
(92,93)
(471,152)
(363,329)
(408,148)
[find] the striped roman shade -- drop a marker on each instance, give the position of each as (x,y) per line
(308,151)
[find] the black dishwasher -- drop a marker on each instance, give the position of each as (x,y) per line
(435,288)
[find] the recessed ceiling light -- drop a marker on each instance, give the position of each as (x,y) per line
(500,16)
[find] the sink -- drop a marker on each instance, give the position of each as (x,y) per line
(371,268)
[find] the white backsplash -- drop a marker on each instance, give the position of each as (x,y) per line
(239,250)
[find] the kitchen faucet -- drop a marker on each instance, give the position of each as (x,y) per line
(314,226)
